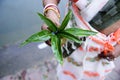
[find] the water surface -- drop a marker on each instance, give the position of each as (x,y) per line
(19,19)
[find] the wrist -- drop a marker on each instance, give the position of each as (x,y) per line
(52,12)
(51,8)
(53,17)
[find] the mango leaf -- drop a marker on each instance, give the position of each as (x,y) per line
(65,21)
(70,37)
(80,32)
(49,23)
(56,47)
(44,35)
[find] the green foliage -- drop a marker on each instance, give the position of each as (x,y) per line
(51,25)
(65,21)
(41,36)
(56,34)
(56,47)
(79,32)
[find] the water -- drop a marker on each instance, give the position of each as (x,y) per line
(19,19)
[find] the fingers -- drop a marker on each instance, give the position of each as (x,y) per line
(53,17)
(48,42)
(44,27)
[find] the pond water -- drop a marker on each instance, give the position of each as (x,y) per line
(19,19)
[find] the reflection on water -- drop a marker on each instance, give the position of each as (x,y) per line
(18,19)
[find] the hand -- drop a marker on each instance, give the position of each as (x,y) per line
(52,16)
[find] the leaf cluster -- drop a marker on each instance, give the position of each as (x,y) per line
(56,34)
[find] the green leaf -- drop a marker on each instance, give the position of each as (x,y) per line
(40,36)
(65,21)
(49,23)
(70,37)
(56,47)
(80,32)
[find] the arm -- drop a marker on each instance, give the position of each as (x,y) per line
(51,13)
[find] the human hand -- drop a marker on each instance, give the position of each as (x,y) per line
(53,17)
